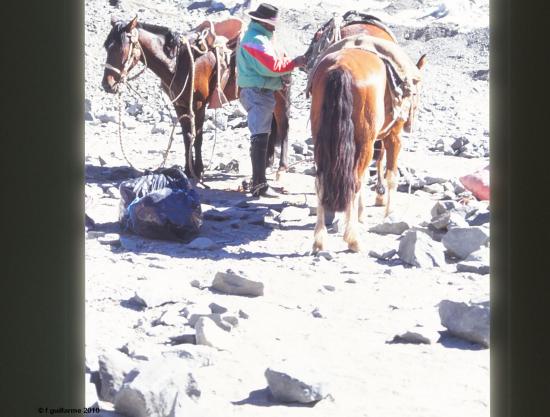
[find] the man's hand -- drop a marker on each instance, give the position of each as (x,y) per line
(300,61)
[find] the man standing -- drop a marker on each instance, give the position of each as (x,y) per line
(260,67)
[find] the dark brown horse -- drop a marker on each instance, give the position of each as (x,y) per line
(164,53)
(368,25)
(351,108)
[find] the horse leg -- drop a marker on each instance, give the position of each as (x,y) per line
(320,234)
(270,155)
(199,121)
(380,189)
(186,132)
(281,116)
(361,204)
(350,233)
(392,143)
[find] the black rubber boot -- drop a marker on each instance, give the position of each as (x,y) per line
(258,150)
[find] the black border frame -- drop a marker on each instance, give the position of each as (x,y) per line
(42,301)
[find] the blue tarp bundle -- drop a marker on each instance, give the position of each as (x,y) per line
(161,205)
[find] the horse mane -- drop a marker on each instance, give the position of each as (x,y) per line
(118,30)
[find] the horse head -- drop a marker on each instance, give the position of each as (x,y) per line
(123,53)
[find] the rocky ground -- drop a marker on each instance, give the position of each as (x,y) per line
(398,329)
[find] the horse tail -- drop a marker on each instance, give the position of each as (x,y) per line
(335,144)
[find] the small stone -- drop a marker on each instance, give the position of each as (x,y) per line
(231,283)
(383,255)
(480,218)
(298,148)
(109,239)
(317,314)
(243,315)
(475,267)
(107,118)
(196,284)
(325,254)
(329,287)
(217,309)
(390,226)
(468,321)
(411,337)
(202,243)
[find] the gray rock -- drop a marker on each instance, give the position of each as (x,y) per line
(114,366)
(161,128)
(459,143)
(217,309)
(243,315)
(481,255)
(325,254)
(232,320)
(298,148)
(448,220)
(294,385)
(383,255)
(475,267)
(418,249)
(462,241)
(434,180)
(107,117)
(480,218)
(233,284)
(216,318)
(186,338)
(202,243)
(445,206)
(390,226)
(208,333)
(411,337)
(468,321)
(151,297)
(435,188)
(134,109)
(157,389)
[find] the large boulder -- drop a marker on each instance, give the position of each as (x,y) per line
(418,249)
(462,241)
(114,366)
(158,389)
(468,321)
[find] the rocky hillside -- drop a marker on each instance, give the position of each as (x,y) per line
(244,321)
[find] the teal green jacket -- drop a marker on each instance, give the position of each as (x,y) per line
(259,63)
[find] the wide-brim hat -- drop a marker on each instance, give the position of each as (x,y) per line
(265,13)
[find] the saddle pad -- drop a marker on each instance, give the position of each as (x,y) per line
(386,50)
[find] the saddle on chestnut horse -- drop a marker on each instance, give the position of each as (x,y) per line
(222,37)
(403,74)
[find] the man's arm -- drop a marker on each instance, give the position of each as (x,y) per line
(269,64)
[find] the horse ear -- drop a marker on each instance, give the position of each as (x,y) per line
(421,62)
(132,25)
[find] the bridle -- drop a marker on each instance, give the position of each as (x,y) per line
(134,54)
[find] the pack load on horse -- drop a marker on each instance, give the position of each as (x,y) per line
(196,69)
(363,88)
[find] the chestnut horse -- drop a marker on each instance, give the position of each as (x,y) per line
(351,106)
(349,29)
(162,51)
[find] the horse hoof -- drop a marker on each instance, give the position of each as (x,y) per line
(280,174)
(379,201)
(317,247)
(354,246)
